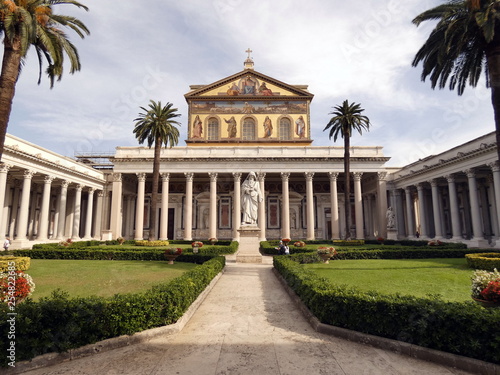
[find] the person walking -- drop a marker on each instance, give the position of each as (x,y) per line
(6,244)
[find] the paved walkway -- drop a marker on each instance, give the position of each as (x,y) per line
(248,324)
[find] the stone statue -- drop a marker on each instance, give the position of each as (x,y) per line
(250,198)
(391,218)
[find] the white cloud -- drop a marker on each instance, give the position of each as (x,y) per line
(357,50)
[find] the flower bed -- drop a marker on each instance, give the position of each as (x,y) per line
(486,286)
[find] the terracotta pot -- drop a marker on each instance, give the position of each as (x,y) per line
(325,257)
(171,258)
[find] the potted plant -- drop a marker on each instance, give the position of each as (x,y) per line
(434,243)
(120,240)
(172,253)
(196,245)
(285,241)
(486,288)
(213,240)
(326,252)
(299,244)
(23,287)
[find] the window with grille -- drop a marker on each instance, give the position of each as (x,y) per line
(285,125)
(213,129)
(248,131)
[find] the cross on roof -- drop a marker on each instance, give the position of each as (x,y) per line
(249,51)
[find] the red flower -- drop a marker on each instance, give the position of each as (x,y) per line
(492,291)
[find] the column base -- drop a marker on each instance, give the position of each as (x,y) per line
(481,242)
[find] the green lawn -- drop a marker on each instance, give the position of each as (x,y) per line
(450,278)
(100,277)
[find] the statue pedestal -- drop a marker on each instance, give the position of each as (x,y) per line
(248,251)
(392,234)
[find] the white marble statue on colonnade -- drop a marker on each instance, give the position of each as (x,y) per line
(251,195)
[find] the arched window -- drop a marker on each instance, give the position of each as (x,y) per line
(285,126)
(248,131)
(213,129)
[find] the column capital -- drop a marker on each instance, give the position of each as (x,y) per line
(433,182)
(382,176)
(357,176)
(450,178)
(420,186)
(470,173)
(65,184)
(213,176)
(261,176)
(78,187)
(48,179)
(100,193)
(91,190)
(333,176)
(28,174)
(141,177)
(165,177)
(4,168)
(189,176)
(495,166)
(237,176)
(117,177)
(309,176)
(408,189)
(285,176)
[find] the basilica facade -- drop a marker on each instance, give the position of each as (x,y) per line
(250,122)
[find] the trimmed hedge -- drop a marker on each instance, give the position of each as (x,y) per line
(59,323)
(22,263)
(460,328)
(484,261)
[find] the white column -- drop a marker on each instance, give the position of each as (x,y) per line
(421,211)
(399,213)
(213,206)
(165,179)
(116,207)
(98,215)
(236,206)
(90,211)
(436,210)
(334,205)
(77,211)
(409,212)
(455,219)
(358,205)
(44,212)
(129,203)
(382,204)
(495,168)
(22,225)
(262,206)
(4,169)
(139,206)
(188,209)
(285,205)
(310,205)
(477,227)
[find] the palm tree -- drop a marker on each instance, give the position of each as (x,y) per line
(346,119)
(26,23)
(465,41)
(156,125)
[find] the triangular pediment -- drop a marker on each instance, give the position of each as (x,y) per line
(248,84)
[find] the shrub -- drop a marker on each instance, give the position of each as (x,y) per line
(460,328)
(21,263)
(483,261)
(152,243)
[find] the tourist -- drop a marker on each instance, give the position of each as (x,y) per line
(6,244)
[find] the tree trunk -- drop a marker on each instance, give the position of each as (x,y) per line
(347,187)
(154,191)
(8,78)
(493,57)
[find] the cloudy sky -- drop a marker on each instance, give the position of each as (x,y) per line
(360,50)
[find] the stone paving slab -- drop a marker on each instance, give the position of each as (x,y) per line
(248,324)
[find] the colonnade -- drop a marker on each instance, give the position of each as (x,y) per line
(459,206)
(49,209)
(310,214)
